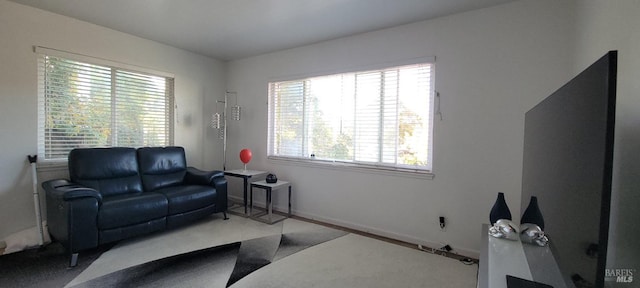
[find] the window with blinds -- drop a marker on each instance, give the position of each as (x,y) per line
(87,105)
(379,118)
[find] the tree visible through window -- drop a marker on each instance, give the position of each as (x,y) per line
(87,105)
(380,117)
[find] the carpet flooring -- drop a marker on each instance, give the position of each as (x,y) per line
(240,253)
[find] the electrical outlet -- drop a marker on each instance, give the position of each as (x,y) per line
(443,224)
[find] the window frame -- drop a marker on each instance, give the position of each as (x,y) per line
(40,52)
(426,173)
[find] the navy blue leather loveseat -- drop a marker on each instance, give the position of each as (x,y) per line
(117,193)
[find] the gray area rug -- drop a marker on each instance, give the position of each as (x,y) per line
(47,266)
(193,269)
(202,267)
(240,253)
(243,253)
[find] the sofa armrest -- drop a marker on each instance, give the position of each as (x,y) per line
(72,213)
(65,190)
(196,176)
(212,178)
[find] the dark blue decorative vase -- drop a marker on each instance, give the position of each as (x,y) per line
(532,214)
(500,210)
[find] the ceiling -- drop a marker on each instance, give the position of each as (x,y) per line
(234,29)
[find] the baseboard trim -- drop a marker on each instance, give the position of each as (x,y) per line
(400,239)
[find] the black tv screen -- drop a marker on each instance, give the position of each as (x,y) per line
(567,165)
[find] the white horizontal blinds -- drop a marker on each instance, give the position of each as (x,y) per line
(379,117)
(169,92)
(368,116)
(328,119)
(390,125)
(415,115)
(87,105)
(76,102)
(345,137)
(288,106)
(142,117)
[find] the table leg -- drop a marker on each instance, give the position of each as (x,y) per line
(269,204)
(245,194)
(289,200)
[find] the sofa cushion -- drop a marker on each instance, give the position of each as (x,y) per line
(161,167)
(186,198)
(124,210)
(111,171)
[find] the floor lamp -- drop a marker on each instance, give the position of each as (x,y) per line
(219,121)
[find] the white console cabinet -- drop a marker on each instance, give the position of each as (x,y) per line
(501,257)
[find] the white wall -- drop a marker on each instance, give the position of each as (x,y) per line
(613,25)
(492,65)
(198,82)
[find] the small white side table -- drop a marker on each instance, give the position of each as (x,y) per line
(267,216)
(245,175)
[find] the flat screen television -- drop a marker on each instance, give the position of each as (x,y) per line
(567,165)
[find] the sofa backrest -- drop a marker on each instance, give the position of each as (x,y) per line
(111,171)
(161,167)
